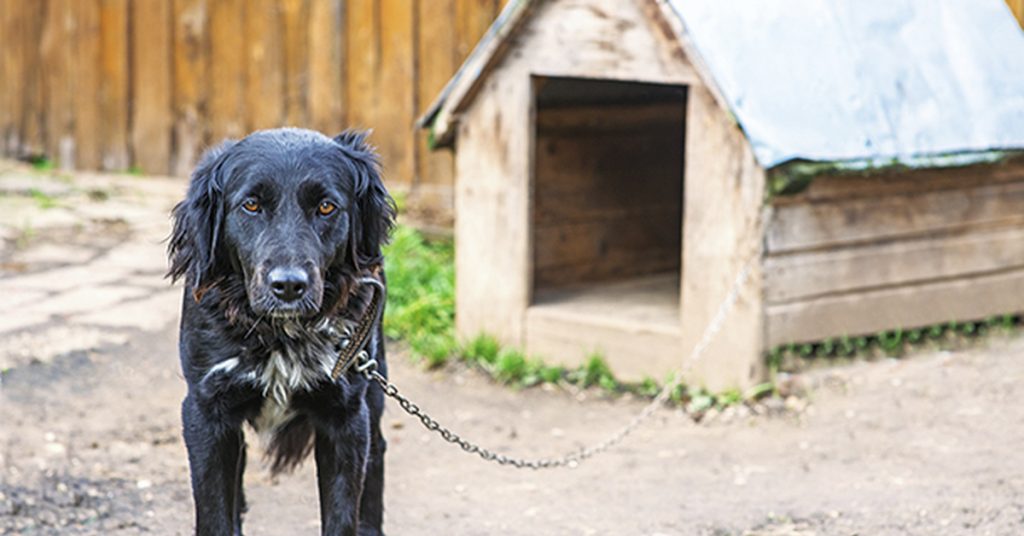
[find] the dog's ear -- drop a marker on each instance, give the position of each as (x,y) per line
(374,213)
(197,223)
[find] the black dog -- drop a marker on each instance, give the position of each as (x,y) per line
(273,238)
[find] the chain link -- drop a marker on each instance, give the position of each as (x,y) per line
(572,459)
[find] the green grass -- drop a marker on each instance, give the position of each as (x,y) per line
(421,312)
(891,343)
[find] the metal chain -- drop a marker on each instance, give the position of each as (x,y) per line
(572,459)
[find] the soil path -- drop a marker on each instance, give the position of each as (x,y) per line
(90,442)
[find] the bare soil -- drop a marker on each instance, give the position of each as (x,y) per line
(90,441)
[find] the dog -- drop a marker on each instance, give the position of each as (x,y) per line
(274,236)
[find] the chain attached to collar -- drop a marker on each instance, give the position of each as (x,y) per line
(352,348)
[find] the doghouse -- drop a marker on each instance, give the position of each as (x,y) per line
(614,159)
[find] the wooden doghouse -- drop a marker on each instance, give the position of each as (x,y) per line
(614,159)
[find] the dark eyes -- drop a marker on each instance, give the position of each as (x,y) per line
(251,205)
(326,208)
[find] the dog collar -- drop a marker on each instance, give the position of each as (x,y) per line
(352,348)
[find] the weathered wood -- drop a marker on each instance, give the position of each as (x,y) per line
(472,18)
(361,70)
(492,290)
(905,306)
(885,183)
(33,102)
(436,60)
(397,114)
(264,89)
(227,70)
(590,119)
(724,190)
(606,205)
(295,21)
(1017,6)
(825,225)
(85,68)
(6,72)
(152,118)
(633,324)
(821,273)
(113,96)
(57,43)
(190,61)
(326,63)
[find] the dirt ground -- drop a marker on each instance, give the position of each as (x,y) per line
(90,442)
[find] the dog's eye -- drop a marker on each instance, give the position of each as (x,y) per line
(326,208)
(251,205)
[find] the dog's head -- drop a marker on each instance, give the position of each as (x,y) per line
(288,211)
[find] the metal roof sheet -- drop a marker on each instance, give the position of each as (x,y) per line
(864,79)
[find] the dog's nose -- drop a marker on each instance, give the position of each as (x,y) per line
(288,284)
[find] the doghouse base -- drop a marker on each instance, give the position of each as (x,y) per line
(634,324)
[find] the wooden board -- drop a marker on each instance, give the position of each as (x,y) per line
(264,88)
(190,60)
(813,274)
(152,118)
(895,217)
(905,306)
(114,84)
(326,62)
(33,108)
(58,32)
(86,83)
(228,71)
(362,19)
(396,114)
(295,22)
(633,324)
(436,61)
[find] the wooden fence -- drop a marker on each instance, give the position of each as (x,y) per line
(147,84)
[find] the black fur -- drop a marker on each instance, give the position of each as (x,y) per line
(241,340)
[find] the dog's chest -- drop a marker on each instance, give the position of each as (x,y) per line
(303,359)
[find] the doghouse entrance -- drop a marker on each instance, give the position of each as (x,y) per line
(607,207)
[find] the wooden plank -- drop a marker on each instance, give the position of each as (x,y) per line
(190,49)
(112,101)
(16,37)
(57,43)
(964,298)
(395,119)
(227,70)
(472,18)
(152,119)
(905,182)
(826,225)
(86,83)
(565,333)
(820,273)
(7,74)
(362,20)
(326,96)
(295,21)
(33,107)
(436,62)
(264,91)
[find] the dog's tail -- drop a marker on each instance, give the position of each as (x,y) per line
(291,444)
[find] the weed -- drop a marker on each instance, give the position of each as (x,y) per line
(595,371)
(44,200)
(481,349)
(511,366)
(42,164)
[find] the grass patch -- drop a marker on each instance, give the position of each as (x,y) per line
(890,343)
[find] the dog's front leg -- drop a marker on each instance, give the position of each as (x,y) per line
(341,453)
(214,456)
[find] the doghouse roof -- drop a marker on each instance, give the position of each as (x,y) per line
(867,83)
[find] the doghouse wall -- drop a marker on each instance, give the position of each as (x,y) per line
(851,256)
(607,192)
